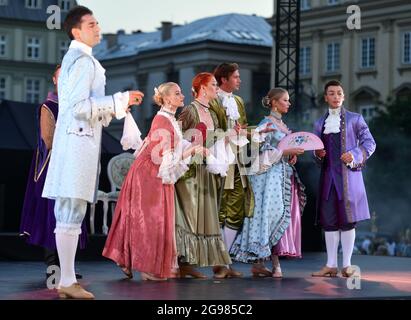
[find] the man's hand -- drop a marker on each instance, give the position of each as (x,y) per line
(238,127)
(320,153)
(135,97)
(347,157)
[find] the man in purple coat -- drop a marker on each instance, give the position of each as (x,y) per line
(342,199)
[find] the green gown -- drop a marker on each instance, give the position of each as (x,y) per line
(197,200)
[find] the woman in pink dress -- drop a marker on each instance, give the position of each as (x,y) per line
(142,234)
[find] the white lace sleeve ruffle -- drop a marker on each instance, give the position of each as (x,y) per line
(266,160)
(220,157)
(236,139)
(257,136)
(173,166)
(268,155)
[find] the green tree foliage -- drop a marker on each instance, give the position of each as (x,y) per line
(388,173)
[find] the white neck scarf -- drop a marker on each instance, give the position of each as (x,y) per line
(332,123)
(228,101)
(81,46)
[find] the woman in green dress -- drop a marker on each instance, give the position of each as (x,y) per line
(197,193)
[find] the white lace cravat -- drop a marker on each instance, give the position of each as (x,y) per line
(231,108)
(332,123)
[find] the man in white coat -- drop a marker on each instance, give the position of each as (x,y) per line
(83,110)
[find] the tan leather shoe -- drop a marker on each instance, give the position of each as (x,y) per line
(221,272)
(234,274)
(260,271)
(347,272)
(75,291)
(189,271)
(326,272)
(149,276)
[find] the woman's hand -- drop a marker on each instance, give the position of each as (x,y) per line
(201,150)
(293,160)
(195,149)
(268,128)
(293,152)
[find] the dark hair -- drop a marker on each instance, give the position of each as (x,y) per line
(73,19)
(225,70)
(56,69)
(332,83)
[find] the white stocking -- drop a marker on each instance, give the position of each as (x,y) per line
(347,243)
(66,248)
(332,239)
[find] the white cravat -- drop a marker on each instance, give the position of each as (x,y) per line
(81,46)
(332,123)
(228,101)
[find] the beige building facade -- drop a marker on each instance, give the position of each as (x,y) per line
(29,51)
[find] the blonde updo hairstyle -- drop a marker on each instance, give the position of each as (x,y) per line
(161,92)
(273,94)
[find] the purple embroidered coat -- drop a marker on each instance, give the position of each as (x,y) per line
(357,139)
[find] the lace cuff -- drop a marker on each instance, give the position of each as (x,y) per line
(266,160)
(257,136)
(173,166)
(121,104)
(131,138)
(220,157)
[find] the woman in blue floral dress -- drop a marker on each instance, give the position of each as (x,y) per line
(275,228)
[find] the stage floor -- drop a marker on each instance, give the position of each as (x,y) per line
(381,278)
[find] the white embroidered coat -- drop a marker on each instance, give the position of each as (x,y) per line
(83,110)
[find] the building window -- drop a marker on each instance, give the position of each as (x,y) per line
(63,47)
(3,3)
(333,2)
(406,47)
(305,5)
(305,60)
(368,112)
(3,44)
(33,48)
(404,95)
(33,4)
(32,90)
(65,5)
(333,56)
(368,52)
(2,88)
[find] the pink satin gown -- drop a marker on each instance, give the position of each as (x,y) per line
(141,236)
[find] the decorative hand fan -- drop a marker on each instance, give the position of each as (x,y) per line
(202,128)
(304,140)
